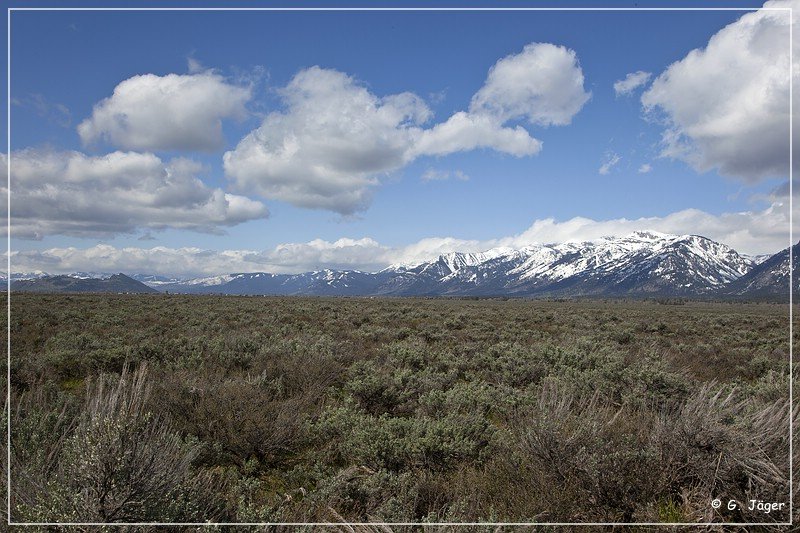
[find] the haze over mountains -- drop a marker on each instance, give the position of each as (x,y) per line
(642,264)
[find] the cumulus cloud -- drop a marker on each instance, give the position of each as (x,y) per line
(172,112)
(191,261)
(609,161)
(645,168)
(632,81)
(344,253)
(70,193)
(335,139)
(753,232)
(726,106)
(543,84)
(330,145)
(442,175)
(467,131)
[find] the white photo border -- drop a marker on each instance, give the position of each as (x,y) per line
(389,9)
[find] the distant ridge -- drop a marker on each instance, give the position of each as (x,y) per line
(118,283)
(769,279)
(643,264)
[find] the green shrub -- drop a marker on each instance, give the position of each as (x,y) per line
(398,444)
(120,463)
(612,463)
(241,418)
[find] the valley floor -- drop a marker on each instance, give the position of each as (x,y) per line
(284,409)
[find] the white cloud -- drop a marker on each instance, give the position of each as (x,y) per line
(754,232)
(726,106)
(632,81)
(70,193)
(466,131)
(609,161)
(191,261)
(172,112)
(330,146)
(543,83)
(645,168)
(442,175)
(431,247)
(343,253)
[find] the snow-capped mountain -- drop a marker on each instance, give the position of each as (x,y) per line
(638,264)
(643,263)
(769,279)
(153,280)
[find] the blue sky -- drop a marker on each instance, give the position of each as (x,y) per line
(65,63)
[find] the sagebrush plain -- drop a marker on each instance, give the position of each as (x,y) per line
(130,408)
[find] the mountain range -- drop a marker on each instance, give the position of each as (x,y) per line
(116,283)
(642,264)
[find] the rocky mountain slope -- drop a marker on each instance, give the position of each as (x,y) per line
(769,279)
